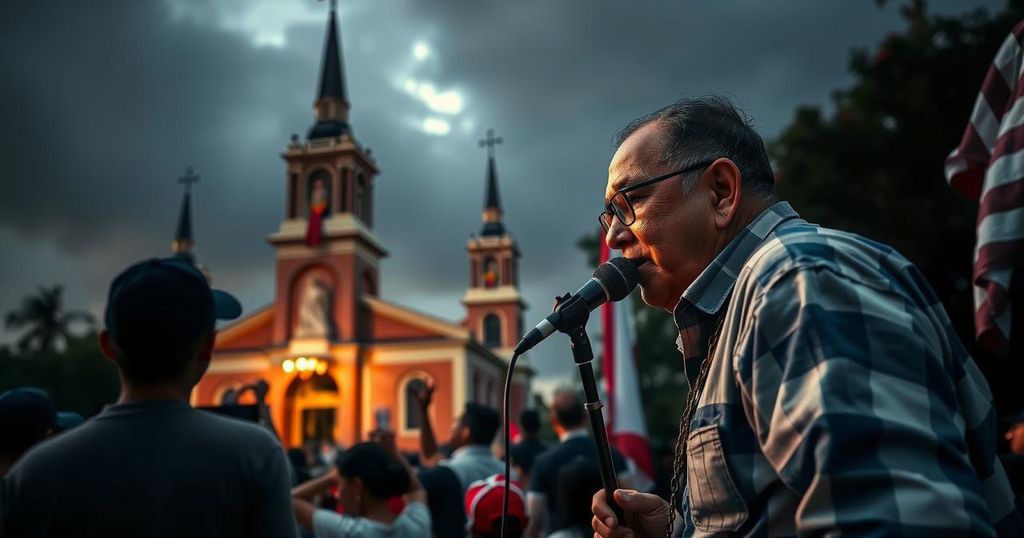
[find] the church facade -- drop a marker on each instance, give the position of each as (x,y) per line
(337,357)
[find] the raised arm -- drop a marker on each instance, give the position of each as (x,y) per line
(303,494)
(428,444)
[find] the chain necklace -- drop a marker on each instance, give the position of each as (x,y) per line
(679,463)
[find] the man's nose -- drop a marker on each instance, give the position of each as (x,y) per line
(618,235)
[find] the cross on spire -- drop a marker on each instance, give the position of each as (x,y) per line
(490,142)
(188,179)
(334,4)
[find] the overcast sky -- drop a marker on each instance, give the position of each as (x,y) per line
(103,104)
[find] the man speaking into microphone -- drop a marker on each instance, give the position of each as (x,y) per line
(828,392)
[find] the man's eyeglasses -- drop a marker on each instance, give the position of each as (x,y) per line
(622,207)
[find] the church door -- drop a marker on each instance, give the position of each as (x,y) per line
(313,410)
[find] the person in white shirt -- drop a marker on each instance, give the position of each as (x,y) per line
(472,458)
(367,475)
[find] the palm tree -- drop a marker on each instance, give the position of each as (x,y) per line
(47,322)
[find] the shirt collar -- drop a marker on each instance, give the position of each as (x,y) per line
(701,303)
(572,434)
(712,287)
(472,451)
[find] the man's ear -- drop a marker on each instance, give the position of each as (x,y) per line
(107,345)
(726,184)
(206,349)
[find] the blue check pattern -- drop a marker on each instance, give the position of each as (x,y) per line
(839,401)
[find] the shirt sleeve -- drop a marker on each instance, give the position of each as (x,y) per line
(273,515)
(855,409)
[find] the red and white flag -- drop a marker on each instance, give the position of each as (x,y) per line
(988,166)
(624,415)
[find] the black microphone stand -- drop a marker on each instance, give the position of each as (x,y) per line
(583,356)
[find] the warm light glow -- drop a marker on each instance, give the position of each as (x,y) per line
(305,366)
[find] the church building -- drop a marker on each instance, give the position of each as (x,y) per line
(336,355)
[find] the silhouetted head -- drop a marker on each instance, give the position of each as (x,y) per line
(477,426)
(159,321)
(369,474)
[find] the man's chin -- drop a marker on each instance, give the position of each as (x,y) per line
(652,298)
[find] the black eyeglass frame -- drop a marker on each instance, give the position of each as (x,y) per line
(630,218)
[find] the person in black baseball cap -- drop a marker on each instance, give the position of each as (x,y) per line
(152,465)
(160,325)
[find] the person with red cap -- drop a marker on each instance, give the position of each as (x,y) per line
(484,500)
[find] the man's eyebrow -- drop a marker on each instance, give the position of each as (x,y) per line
(623,182)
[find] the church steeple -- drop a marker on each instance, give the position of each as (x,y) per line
(332,101)
(182,244)
(326,246)
(494,306)
(492,213)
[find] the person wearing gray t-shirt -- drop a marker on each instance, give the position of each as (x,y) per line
(366,476)
(151,465)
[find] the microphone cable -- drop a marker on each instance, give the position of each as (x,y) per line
(508,444)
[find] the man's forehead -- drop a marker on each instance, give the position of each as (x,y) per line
(637,158)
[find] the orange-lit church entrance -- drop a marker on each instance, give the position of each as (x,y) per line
(332,351)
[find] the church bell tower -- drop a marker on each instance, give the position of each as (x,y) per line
(494,306)
(327,253)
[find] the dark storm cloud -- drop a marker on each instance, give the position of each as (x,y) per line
(104,104)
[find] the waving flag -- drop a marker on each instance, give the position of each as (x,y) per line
(624,413)
(988,166)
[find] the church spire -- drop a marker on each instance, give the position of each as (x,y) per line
(182,244)
(492,213)
(332,101)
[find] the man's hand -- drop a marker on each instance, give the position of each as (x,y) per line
(646,515)
(425,396)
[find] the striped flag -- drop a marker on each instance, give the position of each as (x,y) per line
(624,415)
(988,166)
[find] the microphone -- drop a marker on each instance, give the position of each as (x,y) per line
(612,281)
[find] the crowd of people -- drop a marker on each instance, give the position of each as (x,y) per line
(827,395)
(152,465)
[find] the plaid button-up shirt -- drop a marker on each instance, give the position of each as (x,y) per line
(838,400)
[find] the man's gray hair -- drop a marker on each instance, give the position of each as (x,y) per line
(706,128)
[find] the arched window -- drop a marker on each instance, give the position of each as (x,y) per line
(293,189)
(318,191)
(412,409)
(358,204)
(343,195)
(492,330)
(367,202)
(489,274)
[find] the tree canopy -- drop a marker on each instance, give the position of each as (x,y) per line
(872,163)
(47,325)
